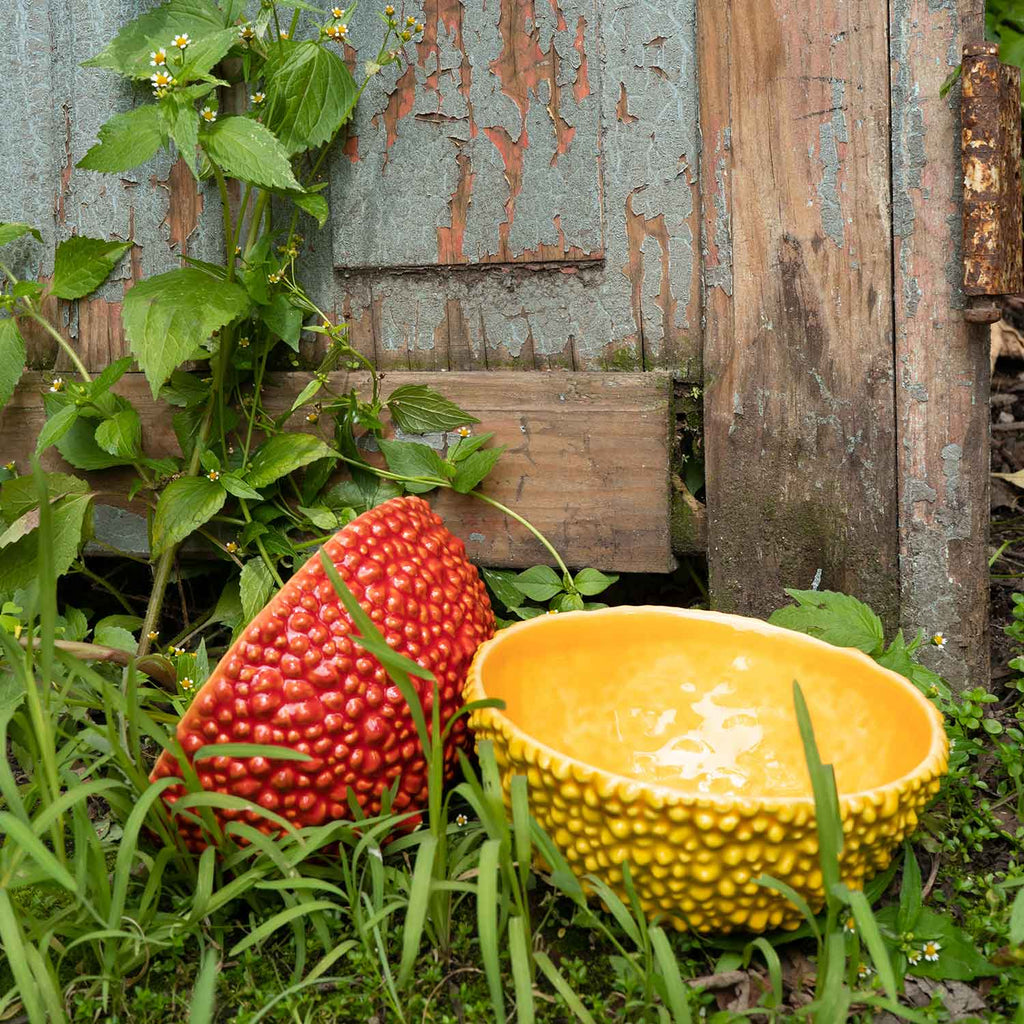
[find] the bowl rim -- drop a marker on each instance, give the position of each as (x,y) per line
(931,766)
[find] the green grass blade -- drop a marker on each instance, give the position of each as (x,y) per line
(69,798)
(14,947)
(871,937)
(487,900)
(22,839)
(522,976)
(771,958)
(204,995)
(268,750)
(794,897)
(910,891)
(563,988)
(826,801)
(327,961)
(832,993)
(675,989)
(617,908)
(520,801)
(279,920)
(416,914)
(204,886)
(277,884)
(46,982)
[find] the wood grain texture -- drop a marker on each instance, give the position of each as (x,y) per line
(588,460)
(800,451)
(941,362)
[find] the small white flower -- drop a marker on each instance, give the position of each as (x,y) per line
(461,819)
(57,384)
(283,34)
(337,12)
(213,475)
(930,950)
(465,431)
(864,972)
(849,925)
(181,41)
(914,957)
(939,640)
(158,58)
(161,79)
(208,114)
(247,32)
(257,98)
(187,683)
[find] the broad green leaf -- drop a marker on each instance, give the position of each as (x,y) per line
(78,445)
(10,232)
(836,618)
(465,446)
(56,427)
(310,94)
(567,603)
(21,527)
(502,583)
(958,957)
(183,124)
(247,150)
(116,636)
(12,358)
(167,317)
(238,487)
(418,409)
(539,583)
(312,203)
(82,265)
(110,376)
(121,435)
(409,458)
(591,581)
(308,393)
(281,455)
(128,52)
(127,140)
(20,495)
(205,52)
(472,470)
(322,518)
(19,564)
(184,505)
(283,319)
(256,585)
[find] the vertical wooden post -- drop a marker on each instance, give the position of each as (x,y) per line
(942,369)
(797,261)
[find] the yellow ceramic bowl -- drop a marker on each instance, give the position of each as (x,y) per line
(668,738)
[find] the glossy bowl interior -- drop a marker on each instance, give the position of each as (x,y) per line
(668,737)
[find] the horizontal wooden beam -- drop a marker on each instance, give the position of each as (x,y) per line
(588,460)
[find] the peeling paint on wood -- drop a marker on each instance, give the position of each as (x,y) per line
(799,444)
(942,363)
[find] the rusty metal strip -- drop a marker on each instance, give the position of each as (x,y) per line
(991,148)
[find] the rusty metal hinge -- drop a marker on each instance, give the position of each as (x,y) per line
(991,149)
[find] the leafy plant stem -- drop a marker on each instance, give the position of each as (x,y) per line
(549,547)
(83,570)
(229,229)
(68,350)
(268,561)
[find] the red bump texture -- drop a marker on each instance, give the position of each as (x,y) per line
(294,679)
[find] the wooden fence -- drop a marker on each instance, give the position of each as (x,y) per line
(759,198)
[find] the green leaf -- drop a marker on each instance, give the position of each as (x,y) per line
(20,495)
(56,427)
(78,444)
(567,603)
(121,435)
(959,959)
(235,485)
(465,446)
(128,53)
(12,358)
(591,581)
(185,390)
(836,618)
(502,584)
(19,565)
(183,124)
(910,890)
(256,585)
(10,232)
(247,150)
(418,409)
(539,583)
(309,202)
(116,636)
(281,455)
(284,320)
(310,94)
(184,505)
(1017,919)
(307,394)
(127,140)
(472,470)
(203,54)
(410,458)
(82,265)
(322,518)
(167,317)
(110,376)
(278,753)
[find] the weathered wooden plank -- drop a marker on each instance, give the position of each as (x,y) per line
(941,361)
(496,100)
(588,460)
(638,306)
(49,117)
(799,442)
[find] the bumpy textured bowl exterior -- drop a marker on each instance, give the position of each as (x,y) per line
(695,859)
(294,679)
